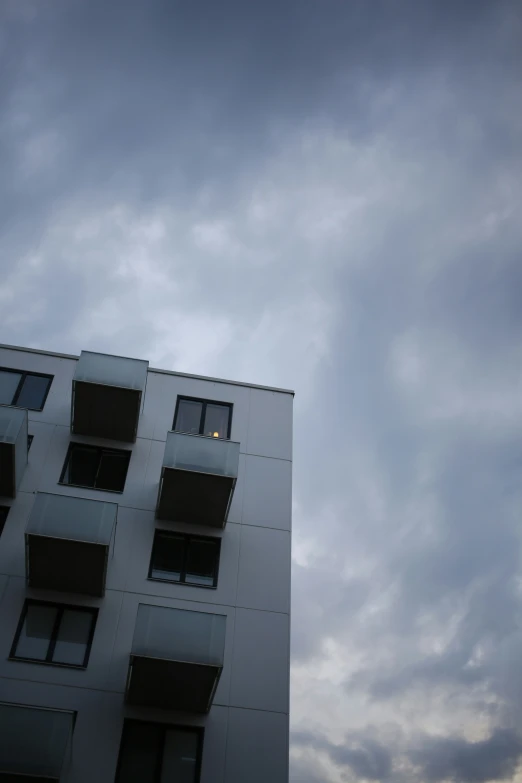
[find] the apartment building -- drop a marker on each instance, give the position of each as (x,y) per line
(145,529)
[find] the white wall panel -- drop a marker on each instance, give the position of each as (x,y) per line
(260,663)
(267,493)
(270,424)
(264,569)
(214,746)
(257,747)
(152,478)
(39,454)
(122,549)
(235,513)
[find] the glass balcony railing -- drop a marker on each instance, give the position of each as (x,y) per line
(107,370)
(68,542)
(13,449)
(107,396)
(176,659)
(198,479)
(201,454)
(179,635)
(35,743)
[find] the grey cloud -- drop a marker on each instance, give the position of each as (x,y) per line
(174,77)
(363,755)
(495,758)
(321,599)
(301,772)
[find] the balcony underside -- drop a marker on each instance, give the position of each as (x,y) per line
(172,685)
(199,498)
(101,411)
(7,470)
(66,565)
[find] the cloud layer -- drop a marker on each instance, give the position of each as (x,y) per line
(326,197)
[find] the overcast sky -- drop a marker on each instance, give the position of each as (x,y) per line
(324,195)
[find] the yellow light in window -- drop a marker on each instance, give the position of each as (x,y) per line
(216,434)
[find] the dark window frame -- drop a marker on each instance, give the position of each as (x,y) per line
(187,538)
(100,450)
(199,730)
(3,517)
(204,403)
(93,611)
(24,374)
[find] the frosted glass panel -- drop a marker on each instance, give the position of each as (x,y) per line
(34,741)
(79,519)
(198,453)
(179,635)
(111,370)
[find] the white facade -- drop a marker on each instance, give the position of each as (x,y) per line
(245,738)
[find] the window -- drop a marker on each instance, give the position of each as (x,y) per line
(29,441)
(4,511)
(95,467)
(54,633)
(24,389)
(190,560)
(159,753)
(203,417)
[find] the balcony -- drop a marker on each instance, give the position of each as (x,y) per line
(176,658)
(107,395)
(197,479)
(68,541)
(13,449)
(35,743)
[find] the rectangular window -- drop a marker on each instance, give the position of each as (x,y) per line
(190,560)
(203,417)
(159,753)
(4,511)
(24,389)
(95,467)
(54,633)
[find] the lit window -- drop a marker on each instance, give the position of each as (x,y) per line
(203,417)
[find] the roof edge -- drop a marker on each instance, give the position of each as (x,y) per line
(74,357)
